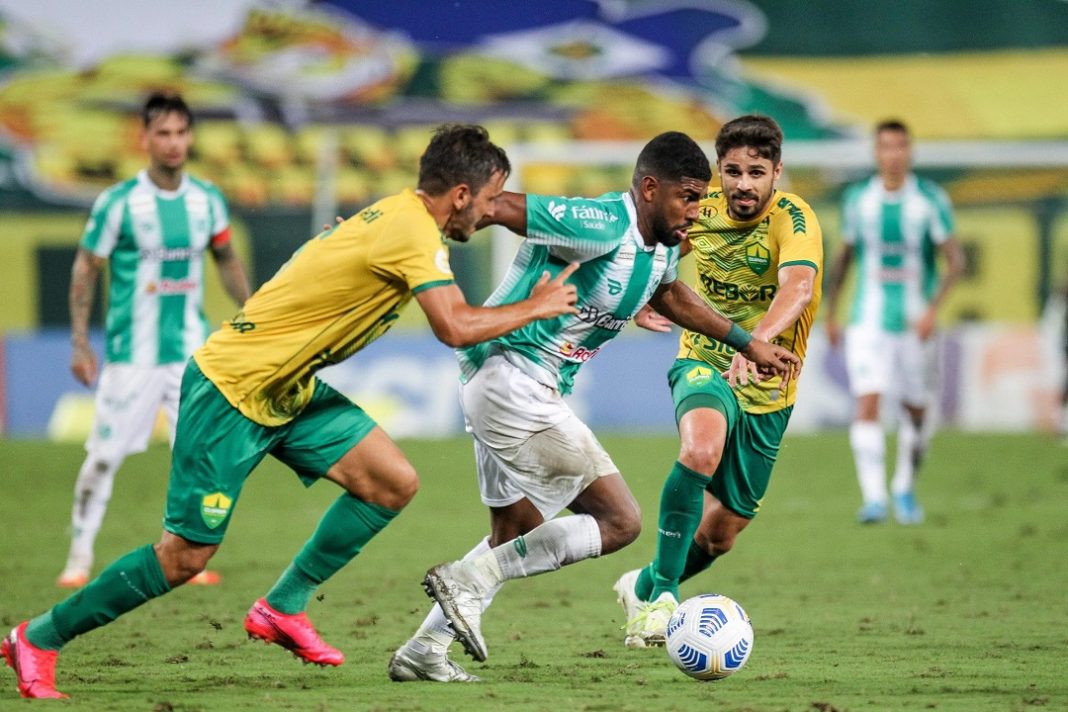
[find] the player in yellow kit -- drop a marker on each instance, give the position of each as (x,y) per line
(758,253)
(251,390)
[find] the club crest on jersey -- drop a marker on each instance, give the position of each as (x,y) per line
(441,261)
(757,257)
(214,508)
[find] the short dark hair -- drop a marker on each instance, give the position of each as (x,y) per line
(460,154)
(892,125)
(162,103)
(754,131)
(672,156)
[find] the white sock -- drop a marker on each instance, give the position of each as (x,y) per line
(547,547)
(869,453)
(92,491)
(435,634)
(911,445)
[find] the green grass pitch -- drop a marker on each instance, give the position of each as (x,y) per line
(968,612)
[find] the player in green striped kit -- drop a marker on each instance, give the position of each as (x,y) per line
(534,457)
(894,226)
(152,231)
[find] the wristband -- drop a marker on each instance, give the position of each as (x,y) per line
(737,338)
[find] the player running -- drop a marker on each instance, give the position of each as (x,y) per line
(534,457)
(758,253)
(251,390)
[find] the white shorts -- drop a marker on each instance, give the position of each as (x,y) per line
(887,362)
(128,400)
(528,442)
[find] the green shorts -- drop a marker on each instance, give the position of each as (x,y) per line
(753,440)
(216,447)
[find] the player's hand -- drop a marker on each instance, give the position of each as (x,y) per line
(772,360)
(925,325)
(740,371)
(552,297)
(651,319)
(834,333)
(83,364)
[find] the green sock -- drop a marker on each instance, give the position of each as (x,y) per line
(681,507)
(124,585)
(697,560)
(343,531)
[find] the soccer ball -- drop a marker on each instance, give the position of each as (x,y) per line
(709,637)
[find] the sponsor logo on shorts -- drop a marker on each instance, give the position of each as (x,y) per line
(699,376)
(214,508)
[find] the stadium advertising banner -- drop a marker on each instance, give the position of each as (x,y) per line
(992,378)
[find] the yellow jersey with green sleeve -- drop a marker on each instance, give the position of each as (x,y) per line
(339,291)
(738,267)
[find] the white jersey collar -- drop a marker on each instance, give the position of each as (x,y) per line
(142,177)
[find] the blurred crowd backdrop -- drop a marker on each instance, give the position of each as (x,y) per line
(307,110)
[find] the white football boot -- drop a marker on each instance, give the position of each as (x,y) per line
(458,588)
(407,665)
(649,626)
(625,596)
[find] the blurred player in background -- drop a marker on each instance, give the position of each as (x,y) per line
(893,226)
(251,390)
(152,231)
(534,457)
(759,251)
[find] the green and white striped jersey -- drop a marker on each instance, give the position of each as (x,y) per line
(155,241)
(619,274)
(895,236)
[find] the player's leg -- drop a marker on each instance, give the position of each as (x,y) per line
(335,439)
(870,356)
(425,655)
(609,520)
(913,434)
(705,410)
(125,406)
(550,457)
(215,449)
(170,376)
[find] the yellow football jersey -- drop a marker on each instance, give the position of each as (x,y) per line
(339,292)
(737,274)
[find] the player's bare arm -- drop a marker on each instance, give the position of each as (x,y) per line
(457,323)
(231,272)
(83,277)
(683,306)
(796,285)
(953,256)
(509,210)
(839,270)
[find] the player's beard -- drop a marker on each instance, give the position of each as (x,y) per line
(746,212)
(462,224)
(666,234)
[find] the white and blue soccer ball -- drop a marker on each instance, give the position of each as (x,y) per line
(709,637)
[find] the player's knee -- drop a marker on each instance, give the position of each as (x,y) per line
(181,560)
(714,544)
(702,457)
(400,487)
